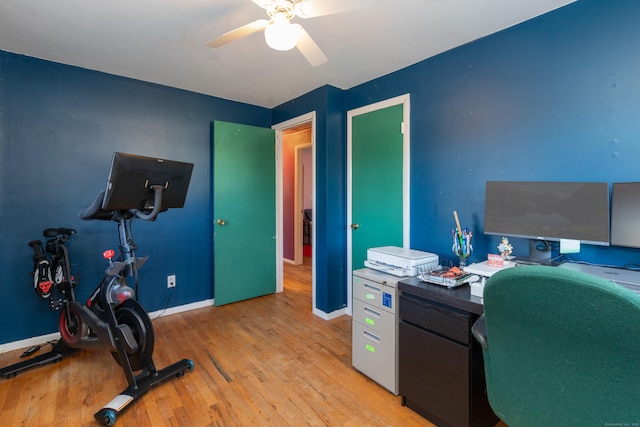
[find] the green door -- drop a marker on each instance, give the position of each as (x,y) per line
(244,212)
(377,177)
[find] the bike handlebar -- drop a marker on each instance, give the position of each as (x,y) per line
(157,205)
(95,211)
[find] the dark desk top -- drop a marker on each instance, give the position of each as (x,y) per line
(459,297)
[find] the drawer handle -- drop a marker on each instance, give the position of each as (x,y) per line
(373,288)
(372,312)
(372,337)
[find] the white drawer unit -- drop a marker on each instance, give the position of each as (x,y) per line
(375,326)
(375,356)
(377,294)
(382,321)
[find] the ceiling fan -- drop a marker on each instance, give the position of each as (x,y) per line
(281,34)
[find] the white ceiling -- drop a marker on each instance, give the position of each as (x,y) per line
(163,41)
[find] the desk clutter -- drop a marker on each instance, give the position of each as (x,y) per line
(475,274)
(404,262)
(449,277)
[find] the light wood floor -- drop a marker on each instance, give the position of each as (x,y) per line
(267,361)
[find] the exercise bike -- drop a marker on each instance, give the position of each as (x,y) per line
(52,282)
(112,319)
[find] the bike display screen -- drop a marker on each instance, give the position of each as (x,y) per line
(131,178)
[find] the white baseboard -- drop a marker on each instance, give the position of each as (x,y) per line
(28,342)
(181,308)
(329,316)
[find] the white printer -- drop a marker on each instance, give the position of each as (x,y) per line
(402,262)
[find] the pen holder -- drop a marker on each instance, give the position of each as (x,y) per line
(462,245)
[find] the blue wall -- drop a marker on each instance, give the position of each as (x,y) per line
(331,181)
(59,127)
(555,98)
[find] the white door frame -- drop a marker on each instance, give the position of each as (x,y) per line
(298,257)
(280,128)
(406,215)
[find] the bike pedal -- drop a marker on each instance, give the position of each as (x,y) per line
(30,351)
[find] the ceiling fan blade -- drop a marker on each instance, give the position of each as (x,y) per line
(238,33)
(263,3)
(313,8)
(310,50)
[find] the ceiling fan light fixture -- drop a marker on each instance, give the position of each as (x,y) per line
(281,34)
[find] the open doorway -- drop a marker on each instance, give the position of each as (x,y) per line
(297,197)
(297,201)
(295,141)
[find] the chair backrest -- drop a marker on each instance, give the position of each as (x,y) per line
(563,349)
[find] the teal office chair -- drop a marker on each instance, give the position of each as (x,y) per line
(561,348)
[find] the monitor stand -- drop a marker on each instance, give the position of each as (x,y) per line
(539,254)
(543,256)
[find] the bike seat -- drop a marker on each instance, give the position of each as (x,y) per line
(54,232)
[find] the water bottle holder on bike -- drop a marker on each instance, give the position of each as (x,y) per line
(44,289)
(42,278)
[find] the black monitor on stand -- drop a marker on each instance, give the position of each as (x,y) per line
(548,211)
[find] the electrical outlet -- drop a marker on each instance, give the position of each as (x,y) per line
(171,281)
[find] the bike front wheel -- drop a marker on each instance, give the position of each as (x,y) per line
(132,314)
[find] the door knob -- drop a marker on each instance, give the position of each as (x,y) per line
(354,226)
(221,222)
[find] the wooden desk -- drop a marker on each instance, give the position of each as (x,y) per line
(441,371)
